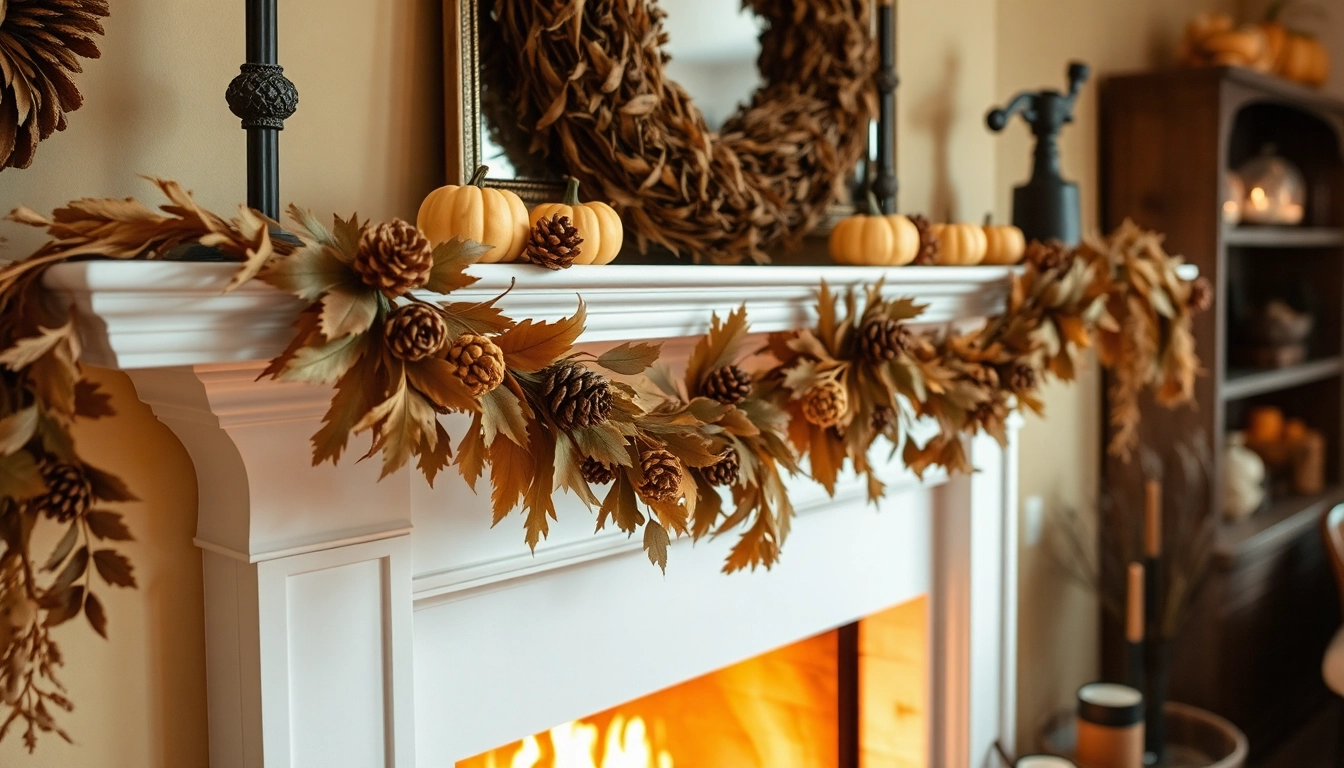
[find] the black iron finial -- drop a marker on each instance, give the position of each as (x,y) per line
(262,97)
(1047,206)
(885,185)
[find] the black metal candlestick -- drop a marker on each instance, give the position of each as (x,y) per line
(262,97)
(885,185)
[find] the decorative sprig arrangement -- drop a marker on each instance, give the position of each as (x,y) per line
(700,455)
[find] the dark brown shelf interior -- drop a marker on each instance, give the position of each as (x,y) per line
(1246,382)
(1284,519)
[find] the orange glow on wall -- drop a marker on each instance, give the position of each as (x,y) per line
(778,710)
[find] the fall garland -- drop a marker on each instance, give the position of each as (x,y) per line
(700,454)
(585,80)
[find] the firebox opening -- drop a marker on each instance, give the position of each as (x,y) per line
(782,709)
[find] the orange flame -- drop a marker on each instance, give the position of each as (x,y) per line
(627,745)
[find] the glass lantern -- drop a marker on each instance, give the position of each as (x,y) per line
(1275,191)
(1234,196)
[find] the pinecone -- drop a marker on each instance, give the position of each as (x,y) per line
(554,243)
(825,403)
(882,418)
(729,385)
(393,257)
(928,241)
(577,397)
(882,339)
(480,364)
(1201,295)
(985,375)
(662,476)
(40,42)
(68,493)
(725,471)
(596,472)
(1046,256)
(415,332)
(1020,378)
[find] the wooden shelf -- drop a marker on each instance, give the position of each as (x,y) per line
(1283,520)
(1242,383)
(1284,237)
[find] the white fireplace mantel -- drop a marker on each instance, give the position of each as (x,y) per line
(351,622)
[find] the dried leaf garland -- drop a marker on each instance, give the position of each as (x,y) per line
(701,455)
(603,108)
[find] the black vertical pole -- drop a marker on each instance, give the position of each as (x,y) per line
(262,97)
(885,185)
(847,674)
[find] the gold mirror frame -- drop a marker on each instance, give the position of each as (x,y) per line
(785,197)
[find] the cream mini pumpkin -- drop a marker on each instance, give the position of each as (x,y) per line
(493,217)
(597,223)
(874,239)
(1004,244)
(960,244)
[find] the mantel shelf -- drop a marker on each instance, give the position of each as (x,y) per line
(160,314)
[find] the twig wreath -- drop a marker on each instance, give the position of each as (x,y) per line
(586,81)
(699,454)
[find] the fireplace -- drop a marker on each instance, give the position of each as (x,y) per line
(860,691)
(351,622)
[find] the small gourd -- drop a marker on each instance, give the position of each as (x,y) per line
(1004,244)
(597,223)
(874,239)
(960,244)
(1304,60)
(494,217)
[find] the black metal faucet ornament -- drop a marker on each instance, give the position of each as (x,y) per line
(1046,207)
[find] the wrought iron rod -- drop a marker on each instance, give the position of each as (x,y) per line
(262,97)
(885,185)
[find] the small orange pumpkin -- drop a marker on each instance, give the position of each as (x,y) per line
(1004,244)
(597,223)
(873,239)
(493,217)
(960,244)
(1304,60)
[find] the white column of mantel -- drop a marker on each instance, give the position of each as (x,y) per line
(974,608)
(307,576)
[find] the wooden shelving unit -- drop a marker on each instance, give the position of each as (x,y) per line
(1254,643)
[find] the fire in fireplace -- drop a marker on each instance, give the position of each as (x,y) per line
(849,698)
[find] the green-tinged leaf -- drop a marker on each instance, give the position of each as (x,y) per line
(603,442)
(107,486)
(502,413)
(27,351)
(451,260)
(437,380)
(17,429)
(307,332)
(661,377)
(435,460)
(325,363)
(311,272)
(114,568)
(356,392)
(631,358)
(402,424)
(20,478)
(621,506)
(708,411)
(569,470)
(348,310)
(310,228)
(63,548)
(345,235)
(73,570)
(471,453)
(93,611)
(655,544)
(108,526)
(531,346)
(511,470)
(56,439)
(90,402)
(721,346)
(64,605)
